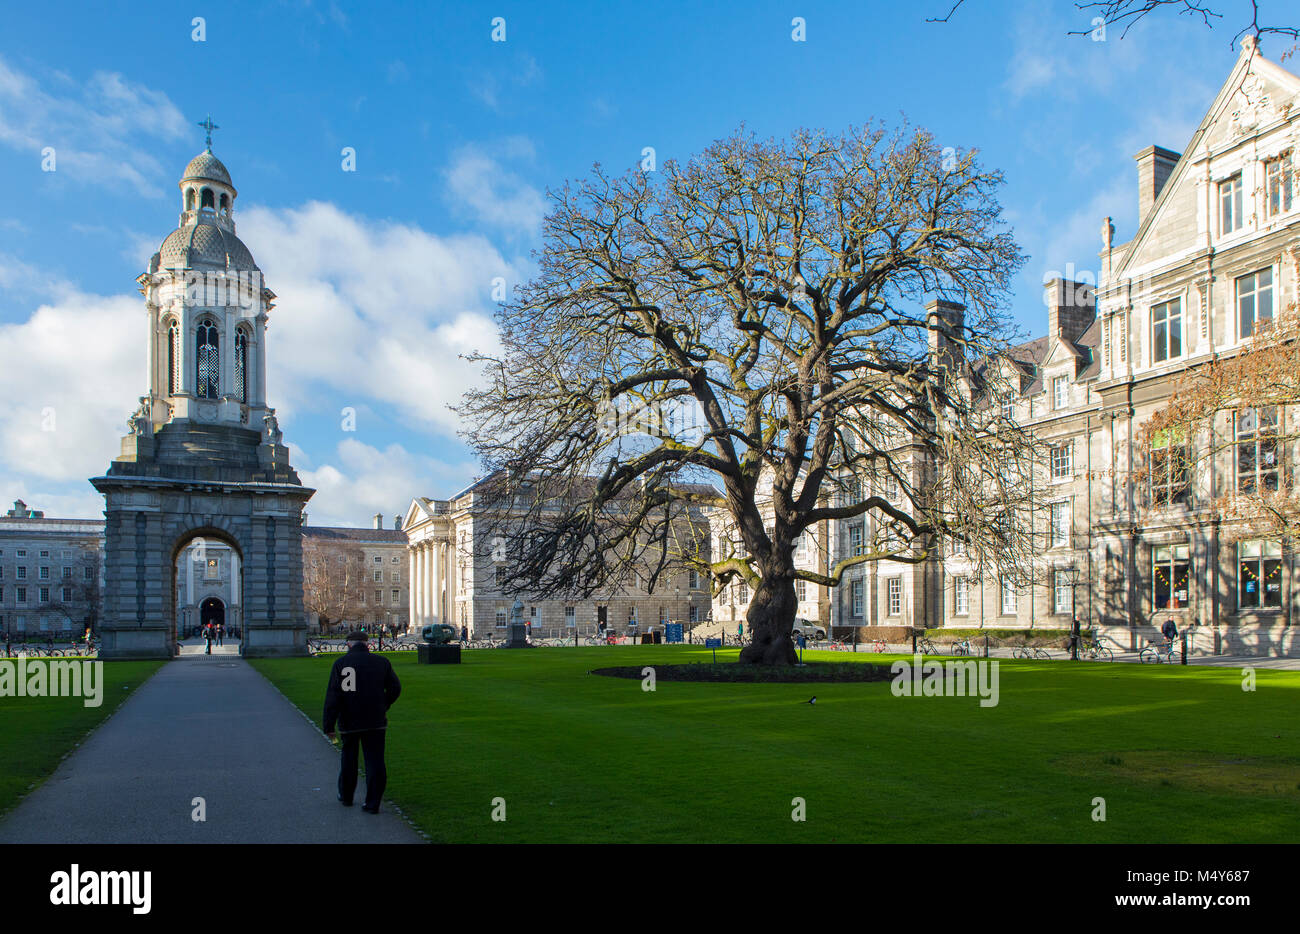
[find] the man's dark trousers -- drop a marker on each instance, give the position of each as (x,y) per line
(371,743)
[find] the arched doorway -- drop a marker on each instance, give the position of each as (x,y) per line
(212,611)
(207,584)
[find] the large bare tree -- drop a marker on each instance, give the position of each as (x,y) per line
(746,331)
(334,580)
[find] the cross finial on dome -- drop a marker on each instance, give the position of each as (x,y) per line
(209,126)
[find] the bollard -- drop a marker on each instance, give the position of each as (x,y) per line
(1184,658)
(986,645)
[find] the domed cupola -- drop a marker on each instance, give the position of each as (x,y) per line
(206,237)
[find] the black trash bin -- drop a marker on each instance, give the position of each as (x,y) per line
(659,637)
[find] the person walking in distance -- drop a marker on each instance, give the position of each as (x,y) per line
(362,687)
(207,634)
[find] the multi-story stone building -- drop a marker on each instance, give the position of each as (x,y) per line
(455,578)
(50,574)
(381,598)
(1216,251)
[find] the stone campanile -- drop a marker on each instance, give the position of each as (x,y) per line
(204,459)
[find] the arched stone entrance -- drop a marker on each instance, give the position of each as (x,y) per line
(212,612)
(205,455)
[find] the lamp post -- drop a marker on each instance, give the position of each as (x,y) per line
(1073,573)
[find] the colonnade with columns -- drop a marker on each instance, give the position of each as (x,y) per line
(432,582)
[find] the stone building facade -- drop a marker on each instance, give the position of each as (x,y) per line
(51,574)
(1217,249)
(453,580)
(384,600)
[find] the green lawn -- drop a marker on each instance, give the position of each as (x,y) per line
(37,732)
(1180,754)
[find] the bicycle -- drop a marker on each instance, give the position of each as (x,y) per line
(962,648)
(1156,653)
(879,646)
(925,647)
(1031,653)
(1094,651)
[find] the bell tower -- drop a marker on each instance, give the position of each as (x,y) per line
(204,459)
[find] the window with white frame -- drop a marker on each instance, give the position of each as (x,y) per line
(1060,523)
(1230,213)
(570,617)
(856,545)
(1254,300)
(958,547)
(693,580)
(801,590)
(379,577)
(1171,470)
(855,597)
(1259,575)
(961,596)
(895,596)
(1060,392)
(1008,597)
(1062,592)
(1062,460)
(1171,568)
(1278,183)
(501,617)
(1257,449)
(742,594)
(1167,331)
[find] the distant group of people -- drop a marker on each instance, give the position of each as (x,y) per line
(213,632)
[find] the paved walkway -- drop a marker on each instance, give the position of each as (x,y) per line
(206,726)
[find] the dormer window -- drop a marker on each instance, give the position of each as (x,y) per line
(1230,213)
(1060,392)
(1167,331)
(1278,176)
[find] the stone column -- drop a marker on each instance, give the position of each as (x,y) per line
(417,584)
(412,593)
(435,591)
(257,360)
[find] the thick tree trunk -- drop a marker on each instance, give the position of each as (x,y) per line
(770,619)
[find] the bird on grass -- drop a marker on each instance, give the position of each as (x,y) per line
(812,700)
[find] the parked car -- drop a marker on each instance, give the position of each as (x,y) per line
(814,632)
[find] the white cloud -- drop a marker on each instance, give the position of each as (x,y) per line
(376,310)
(494,194)
(361,480)
(370,314)
(71,376)
(102,131)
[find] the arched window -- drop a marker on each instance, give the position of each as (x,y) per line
(225,203)
(173,358)
(208,383)
(189,199)
(206,199)
(241,365)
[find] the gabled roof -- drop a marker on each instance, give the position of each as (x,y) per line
(1250,63)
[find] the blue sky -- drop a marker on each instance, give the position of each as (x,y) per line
(384,275)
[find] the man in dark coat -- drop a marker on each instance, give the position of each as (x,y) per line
(362,687)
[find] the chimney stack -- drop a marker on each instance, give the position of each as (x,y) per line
(947,321)
(379,520)
(1071,308)
(1154,165)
